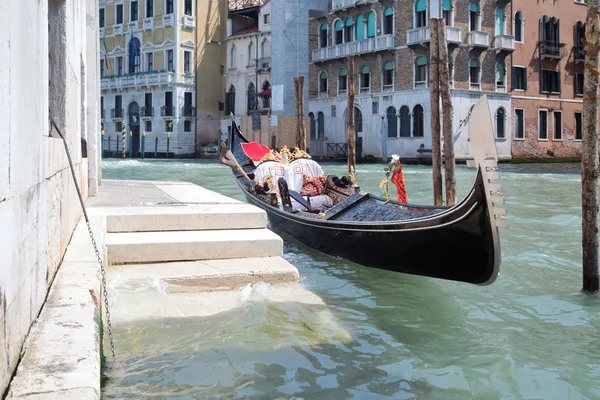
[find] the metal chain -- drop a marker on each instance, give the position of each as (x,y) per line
(87,221)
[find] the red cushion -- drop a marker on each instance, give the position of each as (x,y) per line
(313,185)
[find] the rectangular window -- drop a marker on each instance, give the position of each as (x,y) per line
(101,17)
(578,84)
(187,55)
(578,126)
(169,99)
(148,126)
(169,60)
(388,24)
(267,18)
(149,62)
(149,8)
(543,125)
(101,68)
(133,16)
(119,65)
(421,19)
(342,84)
(446,16)
(169,7)
(550,81)
(557,125)
(187,126)
(119,126)
(519,77)
(148,105)
(388,78)
(187,7)
(519,123)
(119,12)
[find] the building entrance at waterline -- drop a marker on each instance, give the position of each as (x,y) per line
(134,128)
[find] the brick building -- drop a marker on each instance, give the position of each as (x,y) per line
(547,89)
(390,42)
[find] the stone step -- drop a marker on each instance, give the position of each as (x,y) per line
(186,218)
(210,275)
(152,247)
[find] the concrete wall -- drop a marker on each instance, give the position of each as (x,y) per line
(43,64)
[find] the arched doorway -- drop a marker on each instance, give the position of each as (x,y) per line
(134,128)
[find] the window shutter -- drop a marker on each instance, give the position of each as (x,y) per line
(514,78)
(524,79)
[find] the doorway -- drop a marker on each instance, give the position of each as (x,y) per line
(134,127)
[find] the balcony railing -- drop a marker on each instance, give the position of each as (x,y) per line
(102,32)
(421,35)
(421,85)
(385,42)
(550,49)
(479,39)
(133,25)
(147,112)
(579,53)
(167,111)
(263,63)
(153,78)
(453,34)
(118,29)
(474,86)
(168,20)
(500,87)
(504,43)
(189,111)
(102,113)
(189,22)
(148,23)
(116,113)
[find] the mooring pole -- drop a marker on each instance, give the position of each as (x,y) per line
(589,151)
(156,146)
(168,140)
(299,102)
(434,101)
(108,145)
(444,78)
(383,141)
(103,148)
(350,116)
(123,149)
(143,143)
(130,144)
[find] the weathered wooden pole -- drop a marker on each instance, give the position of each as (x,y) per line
(589,151)
(351,128)
(434,101)
(302,128)
(444,76)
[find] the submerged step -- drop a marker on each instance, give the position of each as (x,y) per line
(186,218)
(151,247)
(211,275)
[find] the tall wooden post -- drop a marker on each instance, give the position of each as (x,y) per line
(350,122)
(589,151)
(434,101)
(444,75)
(299,107)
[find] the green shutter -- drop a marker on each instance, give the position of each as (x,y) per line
(514,78)
(338,25)
(324,27)
(500,72)
(365,69)
(473,7)
(473,63)
(421,60)
(421,5)
(360,27)
(371,24)
(349,21)
(388,66)
(447,5)
(388,11)
(343,72)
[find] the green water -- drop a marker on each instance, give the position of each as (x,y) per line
(530,335)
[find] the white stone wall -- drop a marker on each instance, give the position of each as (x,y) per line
(38,202)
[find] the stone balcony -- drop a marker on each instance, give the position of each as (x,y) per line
(148,23)
(118,29)
(189,22)
(133,26)
(504,44)
(379,43)
(146,79)
(479,40)
(421,36)
(168,20)
(337,5)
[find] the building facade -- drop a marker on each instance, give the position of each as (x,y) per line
(48,67)
(390,43)
(161,66)
(547,84)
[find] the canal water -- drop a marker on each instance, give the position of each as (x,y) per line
(530,335)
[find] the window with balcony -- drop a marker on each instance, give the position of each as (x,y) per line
(519,26)
(149,8)
(187,7)
(388,21)
(388,76)
(313,125)
(557,125)
(147,111)
(404,121)
(578,126)
(392,122)
(320,125)
(323,82)
(359,33)
(474,17)
(474,74)
(447,12)
(500,121)
(420,72)
(169,104)
(371,24)
(338,32)
(348,29)
(550,37)
(365,79)
(500,21)
(188,108)
(500,77)
(579,84)
(187,62)
(550,81)
(420,13)
(101,20)
(118,106)
(170,60)
(519,123)
(418,121)
(119,68)
(323,36)
(343,81)
(149,62)
(168,6)
(543,124)
(578,48)
(133,11)
(519,78)
(119,13)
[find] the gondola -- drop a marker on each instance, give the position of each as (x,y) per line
(457,243)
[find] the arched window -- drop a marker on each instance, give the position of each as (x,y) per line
(323,82)
(388,21)
(447,12)
(358,120)
(343,82)
(232,57)
(251,97)
(392,122)
(251,54)
(418,121)
(338,32)
(474,20)
(579,38)
(500,122)
(266,94)
(323,36)
(265,49)
(420,72)
(474,75)
(320,125)
(549,32)
(348,29)
(420,13)
(365,79)
(371,24)
(404,121)
(388,76)
(500,77)
(500,21)
(313,126)
(519,25)
(360,28)
(134,55)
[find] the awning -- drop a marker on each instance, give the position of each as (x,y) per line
(264,93)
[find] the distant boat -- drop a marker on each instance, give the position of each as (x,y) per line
(458,243)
